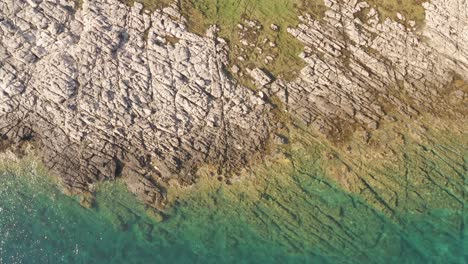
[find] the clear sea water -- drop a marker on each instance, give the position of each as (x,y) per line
(315,223)
(38,224)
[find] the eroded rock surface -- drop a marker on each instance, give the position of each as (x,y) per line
(359,68)
(110,90)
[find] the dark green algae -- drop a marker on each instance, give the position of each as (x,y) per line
(289,211)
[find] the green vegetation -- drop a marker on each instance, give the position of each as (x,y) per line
(259,45)
(256,46)
(150,4)
(410,9)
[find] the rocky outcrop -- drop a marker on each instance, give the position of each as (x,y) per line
(109,89)
(446,31)
(360,69)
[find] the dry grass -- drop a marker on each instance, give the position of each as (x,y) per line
(410,9)
(149,4)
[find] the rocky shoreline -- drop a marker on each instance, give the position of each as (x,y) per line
(108,90)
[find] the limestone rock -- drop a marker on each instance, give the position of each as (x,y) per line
(354,67)
(109,90)
(260,76)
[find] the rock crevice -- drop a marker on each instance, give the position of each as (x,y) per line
(105,91)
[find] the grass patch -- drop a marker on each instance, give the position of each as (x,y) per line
(255,45)
(272,49)
(410,9)
(260,46)
(149,4)
(78,4)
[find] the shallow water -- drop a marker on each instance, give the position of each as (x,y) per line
(295,209)
(38,224)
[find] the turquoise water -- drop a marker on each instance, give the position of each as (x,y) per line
(322,224)
(40,225)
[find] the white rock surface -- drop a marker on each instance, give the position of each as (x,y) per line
(355,68)
(260,77)
(104,90)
